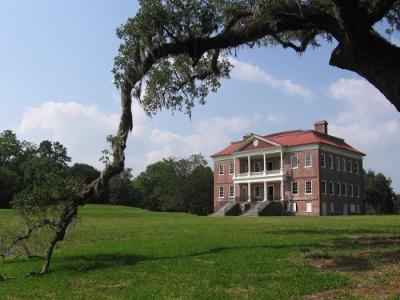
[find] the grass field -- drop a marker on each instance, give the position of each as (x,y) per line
(126,253)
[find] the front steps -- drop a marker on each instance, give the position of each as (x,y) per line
(229,209)
(249,209)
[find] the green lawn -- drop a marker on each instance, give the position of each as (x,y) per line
(126,253)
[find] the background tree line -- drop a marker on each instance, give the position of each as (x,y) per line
(176,185)
(181,185)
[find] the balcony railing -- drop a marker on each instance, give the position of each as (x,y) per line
(258,174)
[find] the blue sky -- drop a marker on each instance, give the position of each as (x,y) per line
(56,83)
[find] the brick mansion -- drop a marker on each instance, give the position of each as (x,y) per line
(301,172)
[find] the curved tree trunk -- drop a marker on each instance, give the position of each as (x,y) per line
(114,168)
(376,60)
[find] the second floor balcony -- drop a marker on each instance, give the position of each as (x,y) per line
(259,174)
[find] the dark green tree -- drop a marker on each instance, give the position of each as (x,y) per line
(55,151)
(379,195)
(179,185)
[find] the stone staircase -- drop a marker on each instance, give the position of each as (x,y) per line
(256,209)
(229,209)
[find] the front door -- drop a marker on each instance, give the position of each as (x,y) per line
(243,193)
(270,192)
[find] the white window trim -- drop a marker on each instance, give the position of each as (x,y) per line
(294,206)
(332,162)
(323,155)
(221,188)
(231,169)
(332,207)
(357,170)
(339,190)
(305,160)
(291,190)
(221,169)
(231,188)
(351,166)
(352,190)
(324,182)
(358,191)
(305,187)
(344,161)
(332,192)
(338,168)
(291,162)
(345,188)
(308,205)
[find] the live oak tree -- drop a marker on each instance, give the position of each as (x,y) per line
(178,51)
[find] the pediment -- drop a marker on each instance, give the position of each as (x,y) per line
(256,143)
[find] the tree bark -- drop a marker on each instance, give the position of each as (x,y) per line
(375,59)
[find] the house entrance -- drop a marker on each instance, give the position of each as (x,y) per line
(270,192)
(243,193)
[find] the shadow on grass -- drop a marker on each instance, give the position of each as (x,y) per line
(357,253)
(87,263)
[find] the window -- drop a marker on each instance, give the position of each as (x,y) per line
(307,161)
(294,162)
(331,188)
(357,191)
(323,163)
(294,206)
(343,192)
(232,191)
(231,168)
(352,208)
(350,166)
(356,167)
(256,166)
(221,192)
(338,163)
(332,207)
(269,165)
(257,191)
(308,187)
(309,207)
(337,188)
(221,169)
(350,190)
(330,161)
(358,208)
(323,187)
(295,188)
(344,165)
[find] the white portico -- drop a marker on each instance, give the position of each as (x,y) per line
(258,171)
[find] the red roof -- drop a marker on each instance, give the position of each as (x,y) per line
(296,138)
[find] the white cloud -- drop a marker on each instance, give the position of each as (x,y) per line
(369,122)
(82,129)
(208,137)
(248,72)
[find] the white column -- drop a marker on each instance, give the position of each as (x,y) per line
(248,192)
(234,192)
(281,160)
(265,191)
(248,165)
(282,191)
(265,165)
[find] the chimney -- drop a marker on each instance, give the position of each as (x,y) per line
(321,126)
(246,136)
